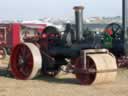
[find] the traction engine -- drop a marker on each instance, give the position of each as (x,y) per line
(52,52)
(118,37)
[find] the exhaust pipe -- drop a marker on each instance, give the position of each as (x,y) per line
(78,22)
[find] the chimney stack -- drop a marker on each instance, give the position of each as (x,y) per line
(79,22)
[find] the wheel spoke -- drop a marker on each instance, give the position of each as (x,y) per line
(117,29)
(23,51)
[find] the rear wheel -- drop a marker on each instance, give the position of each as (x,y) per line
(25,61)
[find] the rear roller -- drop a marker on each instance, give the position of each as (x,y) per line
(25,61)
(100,68)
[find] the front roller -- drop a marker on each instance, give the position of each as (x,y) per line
(25,61)
(95,66)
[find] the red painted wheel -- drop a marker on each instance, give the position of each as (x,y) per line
(85,78)
(3,53)
(25,61)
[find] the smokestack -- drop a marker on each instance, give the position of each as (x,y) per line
(79,22)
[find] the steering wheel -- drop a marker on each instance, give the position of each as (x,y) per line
(114,30)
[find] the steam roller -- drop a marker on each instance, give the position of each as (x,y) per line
(50,51)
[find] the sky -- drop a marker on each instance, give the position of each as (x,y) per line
(34,9)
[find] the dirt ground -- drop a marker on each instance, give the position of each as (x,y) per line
(63,85)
